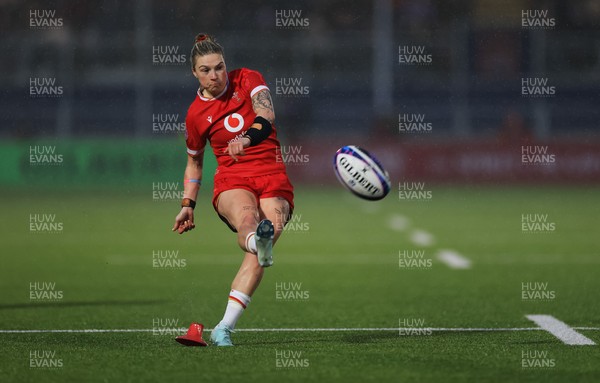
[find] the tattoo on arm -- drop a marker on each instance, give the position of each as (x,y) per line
(262,100)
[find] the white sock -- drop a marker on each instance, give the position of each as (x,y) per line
(238,301)
(251,243)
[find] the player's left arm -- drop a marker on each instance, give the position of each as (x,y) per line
(261,128)
(263,105)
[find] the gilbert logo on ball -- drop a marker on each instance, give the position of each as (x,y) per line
(361,173)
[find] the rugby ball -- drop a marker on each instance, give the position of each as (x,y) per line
(361,173)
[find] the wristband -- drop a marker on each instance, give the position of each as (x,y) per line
(259,131)
(188,202)
(188,180)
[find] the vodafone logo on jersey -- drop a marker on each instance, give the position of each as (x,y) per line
(234,122)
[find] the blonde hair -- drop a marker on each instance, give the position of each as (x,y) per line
(204,44)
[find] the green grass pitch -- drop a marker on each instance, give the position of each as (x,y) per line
(337,266)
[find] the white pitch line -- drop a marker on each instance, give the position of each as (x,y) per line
(398,222)
(421,238)
(326,329)
(348,329)
(453,260)
(560,330)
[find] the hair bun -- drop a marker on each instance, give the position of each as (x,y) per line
(203,37)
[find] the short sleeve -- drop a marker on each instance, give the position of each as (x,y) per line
(194,141)
(253,82)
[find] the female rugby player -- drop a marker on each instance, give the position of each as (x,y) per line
(252,193)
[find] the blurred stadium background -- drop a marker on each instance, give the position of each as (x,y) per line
(336,78)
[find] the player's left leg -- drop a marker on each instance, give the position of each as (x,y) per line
(242,288)
(277,210)
(239,208)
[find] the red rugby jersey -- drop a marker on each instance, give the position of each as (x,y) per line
(227,117)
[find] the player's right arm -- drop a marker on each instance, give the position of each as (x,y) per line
(184,221)
(192,177)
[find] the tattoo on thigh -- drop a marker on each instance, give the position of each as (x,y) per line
(282,216)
